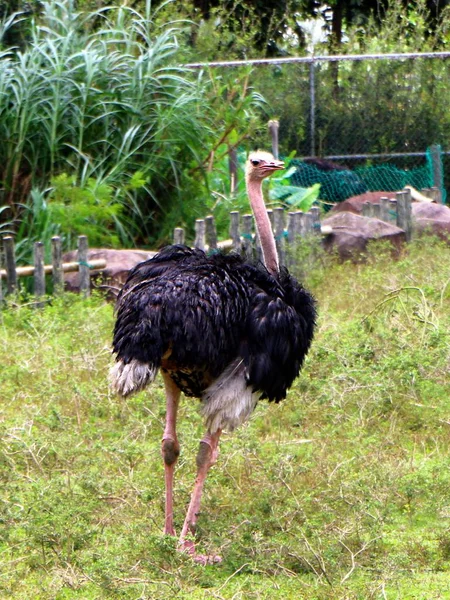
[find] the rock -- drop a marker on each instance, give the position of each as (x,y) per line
(352,233)
(355,203)
(112,278)
(432,218)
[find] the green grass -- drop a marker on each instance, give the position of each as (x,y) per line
(340,492)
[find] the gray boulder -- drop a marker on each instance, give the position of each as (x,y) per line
(113,276)
(352,233)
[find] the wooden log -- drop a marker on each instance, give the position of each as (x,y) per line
(39,274)
(98,263)
(278,217)
(273,128)
(247,237)
(384,209)
(199,241)
(210,233)
(234,231)
(85,276)
(10,263)
(225,245)
(57,266)
(178,235)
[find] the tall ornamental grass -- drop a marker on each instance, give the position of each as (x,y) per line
(99,100)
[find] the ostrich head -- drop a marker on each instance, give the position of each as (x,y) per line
(260,165)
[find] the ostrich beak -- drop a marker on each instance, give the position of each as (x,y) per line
(274,165)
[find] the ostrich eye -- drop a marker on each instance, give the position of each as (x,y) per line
(255,162)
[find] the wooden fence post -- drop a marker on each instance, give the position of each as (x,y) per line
(247,238)
(376,211)
(308,224)
(292,238)
(199,234)
(85,277)
(404,217)
(315,211)
(273,128)
(39,275)
(366,209)
(438,175)
(278,217)
(57,270)
(393,211)
(384,209)
(210,233)
(300,223)
(10,264)
(435,194)
(178,235)
(234,230)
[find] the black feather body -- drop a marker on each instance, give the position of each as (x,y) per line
(192,315)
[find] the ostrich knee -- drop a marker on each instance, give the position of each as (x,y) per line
(207,455)
(170,450)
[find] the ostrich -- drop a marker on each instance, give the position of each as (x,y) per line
(219,329)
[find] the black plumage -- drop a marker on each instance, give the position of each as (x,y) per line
(193,314)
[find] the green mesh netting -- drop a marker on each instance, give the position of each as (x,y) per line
(340,184)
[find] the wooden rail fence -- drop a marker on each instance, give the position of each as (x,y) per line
(39,270)
(290,226)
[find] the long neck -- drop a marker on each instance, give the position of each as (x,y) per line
(263,225)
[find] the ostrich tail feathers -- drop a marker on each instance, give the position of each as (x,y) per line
(125,379)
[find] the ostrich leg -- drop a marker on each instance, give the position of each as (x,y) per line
(170,449)
(206,457)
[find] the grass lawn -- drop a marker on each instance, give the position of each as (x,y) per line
(340,492)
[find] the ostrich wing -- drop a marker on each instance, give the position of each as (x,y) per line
(185,308)
(279,332)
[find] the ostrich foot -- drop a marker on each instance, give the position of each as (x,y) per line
(202,559)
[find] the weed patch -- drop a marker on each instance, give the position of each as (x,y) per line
(339,492)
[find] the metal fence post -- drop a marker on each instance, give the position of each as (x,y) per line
(312,108)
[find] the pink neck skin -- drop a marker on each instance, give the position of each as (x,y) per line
(263,225)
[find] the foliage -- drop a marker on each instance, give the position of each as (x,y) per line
(89,209)
(292,196)
(101,97)
(339,493)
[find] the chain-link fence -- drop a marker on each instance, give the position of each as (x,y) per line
(361,111)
